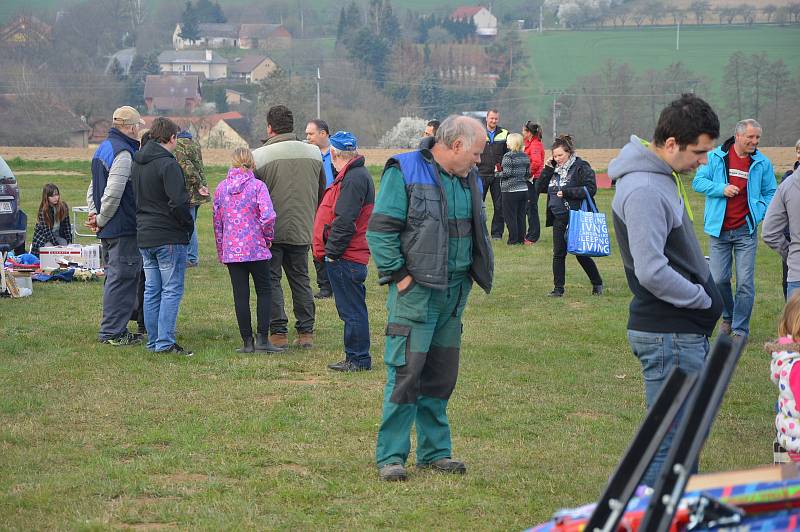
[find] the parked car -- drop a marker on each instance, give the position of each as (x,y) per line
(13,221)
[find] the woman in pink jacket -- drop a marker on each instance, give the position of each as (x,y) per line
(244,224)
(532,133)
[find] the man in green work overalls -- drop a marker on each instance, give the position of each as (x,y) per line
(428,238)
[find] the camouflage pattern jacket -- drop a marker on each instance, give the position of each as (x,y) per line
(189,156)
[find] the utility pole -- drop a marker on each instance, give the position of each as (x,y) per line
(541,18)
(555,130)
(678,38)
(318,79)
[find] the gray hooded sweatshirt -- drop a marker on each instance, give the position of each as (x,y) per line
(673,291)
(783,211)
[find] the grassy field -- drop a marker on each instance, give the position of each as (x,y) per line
(559,57)
(94,437)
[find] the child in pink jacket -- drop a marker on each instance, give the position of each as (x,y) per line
(785,373)
(244,224)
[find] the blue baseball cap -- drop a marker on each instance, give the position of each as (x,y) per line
(344,141)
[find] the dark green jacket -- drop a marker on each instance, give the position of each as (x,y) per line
(414,230)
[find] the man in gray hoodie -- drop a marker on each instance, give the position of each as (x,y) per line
(675,303)
(784,212)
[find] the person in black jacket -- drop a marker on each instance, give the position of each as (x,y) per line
(563,179)
(491,162)
(163,228)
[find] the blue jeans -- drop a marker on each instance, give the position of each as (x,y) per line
(191,253)
(735,246)
(659,353)
(791,286)
(164,267)
(347,282)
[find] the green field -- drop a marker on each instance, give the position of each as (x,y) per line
(94,437)
(558,58)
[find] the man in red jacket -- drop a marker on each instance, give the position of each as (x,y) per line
(340,228)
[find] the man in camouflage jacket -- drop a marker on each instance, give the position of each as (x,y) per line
(189,156)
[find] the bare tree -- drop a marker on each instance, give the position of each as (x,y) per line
(638,17)
(699,8)
(678,15)
(769,11)
(655,11)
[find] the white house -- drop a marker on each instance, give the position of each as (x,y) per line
(485,22)
(212,35)
(206,62)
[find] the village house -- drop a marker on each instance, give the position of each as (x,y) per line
(485,22)
(264,36)
(172,93)
(220,130)
(251,68)
(212,35)
(206,62)
(25,31)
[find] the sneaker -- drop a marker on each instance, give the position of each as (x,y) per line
(556,293)
(347,366)
(126,338)
(725,327)
(141,330)
(304,340)
(176,350)
(280,340)
(529,242)
(323,294)
(393,473)
(597,290)
(445,465)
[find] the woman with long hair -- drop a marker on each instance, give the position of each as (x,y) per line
(532,133)
(566,178)
(52,224)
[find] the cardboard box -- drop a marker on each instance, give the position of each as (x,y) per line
(49,255)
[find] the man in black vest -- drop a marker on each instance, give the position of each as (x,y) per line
(491,158)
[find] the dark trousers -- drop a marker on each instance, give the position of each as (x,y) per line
(123,262)
(240,273)
(347,281)
(560,224)
(514,204)
(293,260)
(784,282)
(138,314)
(490,183)
(322,277)
(534,227)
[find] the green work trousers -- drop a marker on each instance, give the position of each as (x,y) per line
(423,342)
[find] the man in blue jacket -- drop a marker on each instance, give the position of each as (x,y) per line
(112,215)
(738,183)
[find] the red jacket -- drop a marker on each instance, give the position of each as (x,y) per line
(535,152)
(340,225)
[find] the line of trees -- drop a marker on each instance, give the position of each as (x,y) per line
(603,108)
(576,14)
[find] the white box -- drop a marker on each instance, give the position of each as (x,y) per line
(49,255)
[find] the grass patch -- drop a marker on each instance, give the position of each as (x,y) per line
(94,436)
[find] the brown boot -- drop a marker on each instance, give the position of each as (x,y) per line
(279,339)
(304,340)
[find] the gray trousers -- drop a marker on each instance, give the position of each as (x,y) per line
(123,262)
(294,261)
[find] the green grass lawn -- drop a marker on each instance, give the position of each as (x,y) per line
(95,437)
(558,58)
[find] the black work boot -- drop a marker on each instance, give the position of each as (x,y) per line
(248,346)
(264,345)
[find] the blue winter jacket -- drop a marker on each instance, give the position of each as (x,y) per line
(712,178)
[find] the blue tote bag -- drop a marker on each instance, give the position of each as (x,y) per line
(588,231)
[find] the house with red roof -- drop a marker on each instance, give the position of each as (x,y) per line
(484,21)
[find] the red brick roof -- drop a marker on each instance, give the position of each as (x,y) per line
(465,12)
